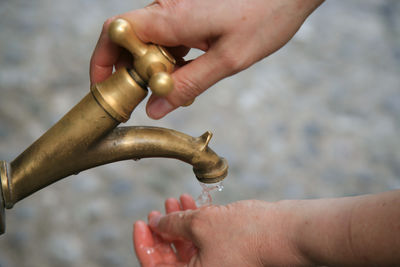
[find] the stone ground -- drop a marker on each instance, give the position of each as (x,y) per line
(320,118)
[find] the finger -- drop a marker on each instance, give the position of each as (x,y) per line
(179,51)
(188,202)
(173,226)
(143,242)
(171,205)
(163,249)
(159,25)
(153,214)
(104,56)
(125,59)
(190,81)
(184,249)
(160,245)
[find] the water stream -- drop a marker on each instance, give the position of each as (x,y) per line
(205,199)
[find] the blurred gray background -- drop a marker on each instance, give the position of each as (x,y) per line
(319,118)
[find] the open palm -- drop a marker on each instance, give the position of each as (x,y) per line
(152,250)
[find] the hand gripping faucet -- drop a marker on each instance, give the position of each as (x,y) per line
(87,135)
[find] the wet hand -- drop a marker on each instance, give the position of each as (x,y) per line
(244,233)
(152,250)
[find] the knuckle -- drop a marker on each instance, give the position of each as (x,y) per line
(232,61)
(165,3)
(202,221)
(188,89)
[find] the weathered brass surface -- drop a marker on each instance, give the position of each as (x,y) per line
(153,63)
(119,95)
(87,135)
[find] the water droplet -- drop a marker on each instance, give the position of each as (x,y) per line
(149,251)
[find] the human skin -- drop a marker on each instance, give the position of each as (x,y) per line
(354,231)
(350,231)
(234,34)
(161,252)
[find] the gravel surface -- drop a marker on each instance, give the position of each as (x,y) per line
(319,118)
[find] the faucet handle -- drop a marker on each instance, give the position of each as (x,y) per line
(152,62)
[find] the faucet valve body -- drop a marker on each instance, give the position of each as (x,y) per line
(152,62)
(87,136)
(120,94)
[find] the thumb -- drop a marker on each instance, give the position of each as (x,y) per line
(190,81)
(173,226)
(160,25)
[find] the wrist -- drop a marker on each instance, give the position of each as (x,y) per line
(294,212)
(283,232)
(322,230)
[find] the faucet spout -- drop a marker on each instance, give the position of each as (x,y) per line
(41,165)
(138,142)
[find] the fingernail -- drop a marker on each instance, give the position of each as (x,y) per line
(159,108)
(154,220)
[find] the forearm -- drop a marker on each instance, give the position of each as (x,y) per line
(352,231)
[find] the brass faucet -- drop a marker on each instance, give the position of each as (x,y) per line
(87,135)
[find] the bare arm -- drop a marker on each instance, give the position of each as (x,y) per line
(351,231)
(354,231)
